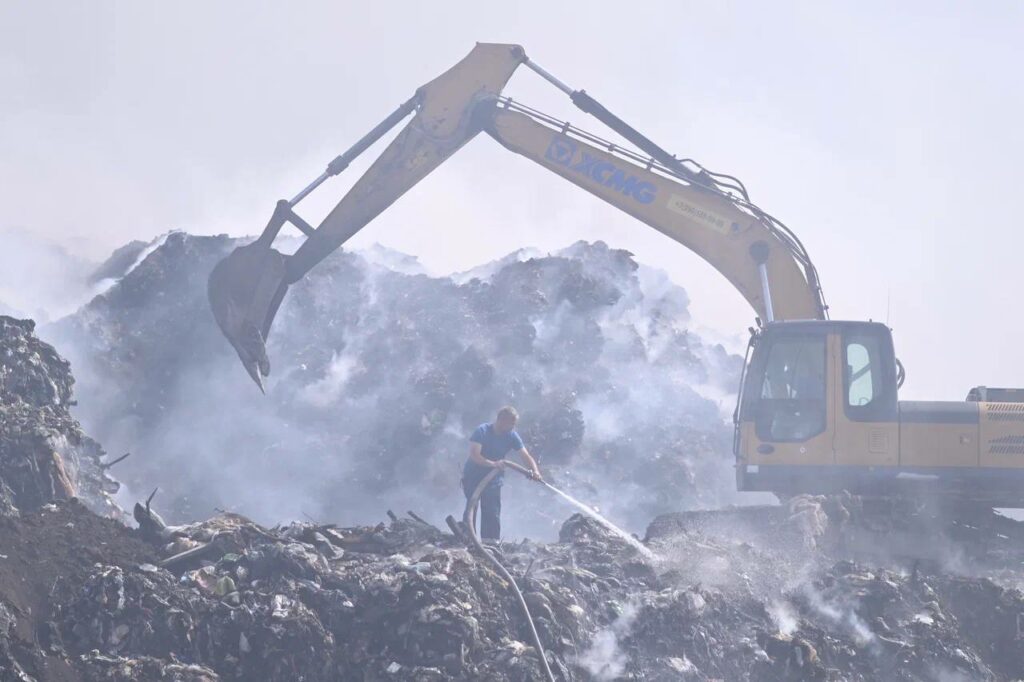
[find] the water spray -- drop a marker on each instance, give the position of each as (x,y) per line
(589,511)
(467,530)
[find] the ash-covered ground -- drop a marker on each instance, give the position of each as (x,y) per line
(837,588)
(380,373)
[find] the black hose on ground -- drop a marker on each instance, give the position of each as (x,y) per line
(468,528)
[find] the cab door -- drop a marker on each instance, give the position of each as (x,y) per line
(788,405)
(867,414)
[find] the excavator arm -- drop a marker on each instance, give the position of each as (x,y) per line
(706,212)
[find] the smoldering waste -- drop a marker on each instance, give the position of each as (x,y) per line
(44,455)
(403,600)
(379,372)
(817,589)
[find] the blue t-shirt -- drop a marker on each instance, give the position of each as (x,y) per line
(493,445)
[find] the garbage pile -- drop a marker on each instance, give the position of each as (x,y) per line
(816,589)
(380,373)
(864,589)
(84,598)
(44,456)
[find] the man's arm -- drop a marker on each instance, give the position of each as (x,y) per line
(531,463)
(477,456)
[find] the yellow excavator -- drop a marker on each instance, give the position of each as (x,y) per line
(817,406)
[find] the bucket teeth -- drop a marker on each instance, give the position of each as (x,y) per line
(255,359)
(245,290)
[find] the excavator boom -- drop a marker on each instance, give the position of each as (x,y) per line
(698,217)
(709,213)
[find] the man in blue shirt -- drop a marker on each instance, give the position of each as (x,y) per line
(487,449)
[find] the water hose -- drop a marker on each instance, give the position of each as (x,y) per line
(468,528)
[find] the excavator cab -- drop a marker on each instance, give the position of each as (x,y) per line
(818,412)
(817,408)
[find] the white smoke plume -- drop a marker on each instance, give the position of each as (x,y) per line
(379,374)
(784,617)
(604,658)
(842,615)
(39,279)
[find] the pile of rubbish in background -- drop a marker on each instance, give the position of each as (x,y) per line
(381,372)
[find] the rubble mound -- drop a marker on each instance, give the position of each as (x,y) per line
(866,588)
(806,590)
(84,598)
(380,373)
(44,456)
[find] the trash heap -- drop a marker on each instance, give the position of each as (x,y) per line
(44,456)
(85,598)
(863,589)
(380,372)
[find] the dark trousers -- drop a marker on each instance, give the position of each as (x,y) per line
(490,505)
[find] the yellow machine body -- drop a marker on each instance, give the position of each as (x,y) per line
(819,412)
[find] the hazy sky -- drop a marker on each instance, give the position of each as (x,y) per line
(887,136)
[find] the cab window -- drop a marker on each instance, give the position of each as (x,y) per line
(859,387)
(790,404)
(868,376)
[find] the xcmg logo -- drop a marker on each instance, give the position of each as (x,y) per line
(563,152)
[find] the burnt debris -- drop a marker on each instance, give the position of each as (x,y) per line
(403,600)
(818,588)
(44,455)
(380,372)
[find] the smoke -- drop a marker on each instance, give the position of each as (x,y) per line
(322,392)
(39,279)
(114,274)
(604,658)
(943,674)
(785,618)
(486,271)
(379,372)
(843,615)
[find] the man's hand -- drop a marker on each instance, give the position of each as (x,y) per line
(531,463)
(498,464)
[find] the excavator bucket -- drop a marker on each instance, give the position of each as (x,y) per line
(245,290)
